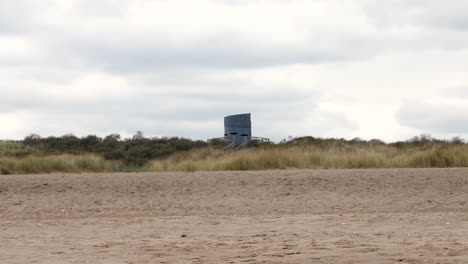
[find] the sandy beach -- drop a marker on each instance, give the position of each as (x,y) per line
(284,216)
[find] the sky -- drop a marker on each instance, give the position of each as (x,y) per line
(334,68)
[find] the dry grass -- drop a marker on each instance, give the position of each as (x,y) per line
(15,149)
(380,156)
(57,163)
(17,159)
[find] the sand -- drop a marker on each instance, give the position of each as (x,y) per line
(288,216)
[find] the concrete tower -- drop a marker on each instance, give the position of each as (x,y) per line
(238,126)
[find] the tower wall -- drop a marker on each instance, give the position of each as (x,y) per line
(239,126)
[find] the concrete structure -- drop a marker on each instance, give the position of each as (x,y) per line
(239,127)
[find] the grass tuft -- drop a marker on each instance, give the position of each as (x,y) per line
(15,149)
(58,163)
(210,159)
(301,153)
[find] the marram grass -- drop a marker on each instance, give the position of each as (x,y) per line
(58,163)
(15,149)
(279,157)
(313,158)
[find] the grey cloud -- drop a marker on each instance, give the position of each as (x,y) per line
(131,52)
(176,107)
(46,123)
(450,14)
(21,16)
(136,51)
(324,124)
(156,111)
(434,117)
(173,75)
(139,51)
(266,124)
(90,8)
(417,25)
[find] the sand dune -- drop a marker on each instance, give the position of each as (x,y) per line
(291,216)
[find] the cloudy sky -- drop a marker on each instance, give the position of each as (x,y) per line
(333,68)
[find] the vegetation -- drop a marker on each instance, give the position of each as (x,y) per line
(69,153)
(134,151)
(57,163)
(311,153)
(15,149)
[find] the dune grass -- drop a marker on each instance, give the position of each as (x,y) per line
(15,149)
(385,156)
(58,163)
(16,158)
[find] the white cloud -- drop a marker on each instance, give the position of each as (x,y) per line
(322,68)
(441,119)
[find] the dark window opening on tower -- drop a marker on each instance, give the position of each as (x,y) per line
(244,135)
(235,133)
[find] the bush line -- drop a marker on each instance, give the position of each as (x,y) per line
(112,154)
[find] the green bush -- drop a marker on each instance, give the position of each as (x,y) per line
(134,151)
(35,154)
